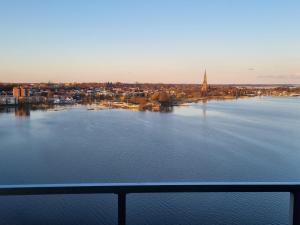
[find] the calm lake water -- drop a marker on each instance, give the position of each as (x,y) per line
(255,139)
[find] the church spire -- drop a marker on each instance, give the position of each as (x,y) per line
(205,77)
(204,87)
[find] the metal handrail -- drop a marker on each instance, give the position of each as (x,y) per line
(122,189)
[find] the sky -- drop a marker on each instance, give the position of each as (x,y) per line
(159,41)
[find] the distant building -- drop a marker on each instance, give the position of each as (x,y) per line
(8,100)
(21,92)
(204,86)
(16,92)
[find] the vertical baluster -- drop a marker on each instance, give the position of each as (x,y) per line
(122,209)
(295,208)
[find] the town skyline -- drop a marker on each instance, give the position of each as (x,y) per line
(138,96)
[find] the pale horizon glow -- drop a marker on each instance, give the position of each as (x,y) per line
(237,42)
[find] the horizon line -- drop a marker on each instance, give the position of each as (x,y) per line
(164,83)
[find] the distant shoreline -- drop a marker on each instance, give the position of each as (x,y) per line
(106,105)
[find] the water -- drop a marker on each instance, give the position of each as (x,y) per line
(255,139)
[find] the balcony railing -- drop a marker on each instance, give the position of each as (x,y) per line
(123,189)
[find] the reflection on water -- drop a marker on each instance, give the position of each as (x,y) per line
(204,109)
(21,111)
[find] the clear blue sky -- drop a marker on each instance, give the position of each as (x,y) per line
(254,41)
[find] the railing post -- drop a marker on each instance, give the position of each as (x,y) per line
(295,208)
(122,208)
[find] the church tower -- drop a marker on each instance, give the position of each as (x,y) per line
(204,87)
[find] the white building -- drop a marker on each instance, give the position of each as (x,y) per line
(8,100)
